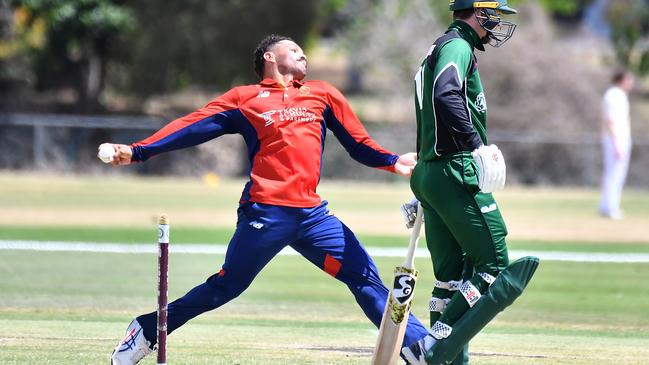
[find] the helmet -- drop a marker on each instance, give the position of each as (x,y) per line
(468,4)
(488,14)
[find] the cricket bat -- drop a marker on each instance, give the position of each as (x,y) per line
(397,307)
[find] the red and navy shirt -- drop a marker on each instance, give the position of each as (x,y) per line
(284,129)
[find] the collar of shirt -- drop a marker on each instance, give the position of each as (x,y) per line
(274,83)
(467,33)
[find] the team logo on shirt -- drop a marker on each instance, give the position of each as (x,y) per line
(481,103)
(264,94)
(288,115)
(268,117)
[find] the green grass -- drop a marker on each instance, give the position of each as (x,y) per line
(74,206)
(185,235)
(577,246)
(75,313)
(114,234)
(71,308)
(571,200)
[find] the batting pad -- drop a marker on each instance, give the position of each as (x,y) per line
(508,286)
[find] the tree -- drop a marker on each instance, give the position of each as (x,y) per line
(209,43)
(386,40)
(69,42)
(567,9)
(630,24)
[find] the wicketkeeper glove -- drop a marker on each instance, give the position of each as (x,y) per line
(409,211)
(491,168)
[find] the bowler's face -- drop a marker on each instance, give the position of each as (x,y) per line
(290,59)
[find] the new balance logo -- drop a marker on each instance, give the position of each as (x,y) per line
(488,208)
(129,341)
(256,225)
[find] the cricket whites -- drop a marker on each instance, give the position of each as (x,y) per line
(397,307)
(163,267)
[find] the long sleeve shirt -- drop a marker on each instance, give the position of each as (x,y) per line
(284,128)
(451,107)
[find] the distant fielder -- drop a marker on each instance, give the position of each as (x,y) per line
(283,121)
(453,180)
(616,143)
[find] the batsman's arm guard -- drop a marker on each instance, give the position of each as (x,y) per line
(508,286)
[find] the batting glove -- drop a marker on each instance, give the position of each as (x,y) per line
(409,211)
(491,168)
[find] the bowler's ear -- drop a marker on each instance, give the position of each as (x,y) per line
(269,56)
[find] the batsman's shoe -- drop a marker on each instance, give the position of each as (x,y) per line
(508,286)
(132,348)
(415,354)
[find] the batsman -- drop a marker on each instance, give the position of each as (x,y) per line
(456,172)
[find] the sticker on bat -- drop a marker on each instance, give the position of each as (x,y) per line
(403,288)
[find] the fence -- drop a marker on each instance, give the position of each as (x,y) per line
(68,143)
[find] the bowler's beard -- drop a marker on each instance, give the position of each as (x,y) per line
(297,72)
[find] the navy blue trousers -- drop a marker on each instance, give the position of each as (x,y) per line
(264,230)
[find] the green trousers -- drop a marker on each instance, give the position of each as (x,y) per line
(461,223)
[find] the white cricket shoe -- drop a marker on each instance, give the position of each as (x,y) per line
(415,354)
(132,348)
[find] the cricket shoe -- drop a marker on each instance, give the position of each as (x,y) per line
(132,348)
(415,354)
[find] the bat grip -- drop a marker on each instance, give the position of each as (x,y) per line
(414,238)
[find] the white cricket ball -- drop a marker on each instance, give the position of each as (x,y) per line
(106,152)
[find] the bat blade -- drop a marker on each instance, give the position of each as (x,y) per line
(395,317)
(397,307)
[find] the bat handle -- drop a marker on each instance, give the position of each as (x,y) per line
(414,237)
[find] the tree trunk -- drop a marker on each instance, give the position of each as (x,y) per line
(95,75)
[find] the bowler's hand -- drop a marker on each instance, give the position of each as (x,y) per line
(405,164)
(123,156)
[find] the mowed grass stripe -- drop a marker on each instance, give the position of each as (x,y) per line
(200,235)
(565,216)
(288,251)
(71,307)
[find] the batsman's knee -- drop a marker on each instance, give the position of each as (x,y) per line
(442,294)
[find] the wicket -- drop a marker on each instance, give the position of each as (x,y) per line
(163,267)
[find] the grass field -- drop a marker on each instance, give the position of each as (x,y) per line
(72,307)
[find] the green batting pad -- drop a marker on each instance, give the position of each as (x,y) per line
(463,357)
(508,286)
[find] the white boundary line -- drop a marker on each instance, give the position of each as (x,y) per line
(374,251)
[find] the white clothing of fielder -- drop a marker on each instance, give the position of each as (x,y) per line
(616,149)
